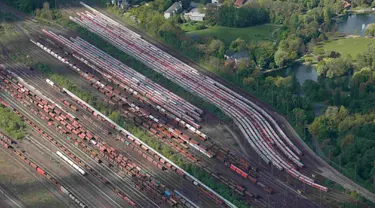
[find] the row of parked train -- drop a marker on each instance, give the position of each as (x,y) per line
(28,98)
(137,84)
(114,157)
(150,124)
(113,125)
(258,127)
(114,95)
(73,122)
(150,154)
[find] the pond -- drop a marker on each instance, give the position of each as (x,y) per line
(303,73)
(355,24)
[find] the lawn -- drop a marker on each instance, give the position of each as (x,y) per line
(228,34)
(352,46)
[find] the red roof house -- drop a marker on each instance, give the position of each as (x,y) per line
(238,3)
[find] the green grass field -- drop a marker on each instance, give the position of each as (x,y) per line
(352,46)
(228,34)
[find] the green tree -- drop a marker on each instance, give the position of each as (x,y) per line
(315,126)
(238,45)
(216,47)
(281,57)
(299,116)
(25,5)
(337,97)
(115,116)
(370,31)
(327,16)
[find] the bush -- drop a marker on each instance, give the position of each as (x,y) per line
(200,27)
(11,124)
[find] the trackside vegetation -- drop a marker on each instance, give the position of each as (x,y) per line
(12,124)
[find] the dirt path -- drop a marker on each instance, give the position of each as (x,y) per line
(238,140)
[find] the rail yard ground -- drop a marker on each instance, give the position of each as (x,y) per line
(19,186)
(221,133)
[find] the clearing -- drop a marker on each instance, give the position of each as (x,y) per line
(228,34)
(352,46)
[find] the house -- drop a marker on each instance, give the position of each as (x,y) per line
(238,3)
(194,15)
(172,10)
(120,3)
(236,57)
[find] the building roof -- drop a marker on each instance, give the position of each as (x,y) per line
(238,55)
(229,53)
(195,12)
(174,7)
(239,2)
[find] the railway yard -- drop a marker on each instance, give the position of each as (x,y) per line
(85,158)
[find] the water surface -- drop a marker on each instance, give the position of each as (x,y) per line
(303,73)
(356,24)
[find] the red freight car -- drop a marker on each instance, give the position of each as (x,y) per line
(239,171)
(40,171)
(252,180)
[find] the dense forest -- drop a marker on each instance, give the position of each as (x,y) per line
(240,17)
(345,130)
(28,6)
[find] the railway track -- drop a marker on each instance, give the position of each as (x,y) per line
(29,162)
(169,179)
(253,122)
(165,178)
(210,161)
(101,169)
(40,80)
(70,184)
(203,159)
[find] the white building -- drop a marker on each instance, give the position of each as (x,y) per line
(172,10)
(194,15)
